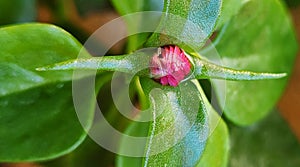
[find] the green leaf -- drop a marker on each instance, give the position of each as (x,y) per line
(260,41)
(178,132)
(37,116)
(14,78)
(207,70)
(90,153)
(23,48)
(216,152)
(266,143)
(138,63)
(87,154)
(131,63)
(230,8)
(17,11)
(217,146)
(187,24)
(39,123)
(134,129)
(134,23)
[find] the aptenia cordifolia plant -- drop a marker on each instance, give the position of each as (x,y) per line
(49,82)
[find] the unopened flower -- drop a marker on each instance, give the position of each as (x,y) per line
(170,65)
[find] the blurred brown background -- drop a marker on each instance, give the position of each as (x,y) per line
(289,104)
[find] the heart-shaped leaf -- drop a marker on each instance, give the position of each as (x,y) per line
(261,41)
(187,24)
(216,147)
(177,134)
(266,143)
(37,115)
(90,153)
(23,48)
(39,123)
(216,152)
(229,9)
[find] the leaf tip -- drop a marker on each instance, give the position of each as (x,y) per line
(280,75)
(41,69)
(47,68)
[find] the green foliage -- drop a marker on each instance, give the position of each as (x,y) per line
(218,139)
(134,23)
(255,41)
(179,124)
(269,142)
(229,9)
(217,148)
(207,70)
(36,107)
(88,154)
(21,53)
(17,11)
(187,24)
(37,115)
(34,121)
(130,63)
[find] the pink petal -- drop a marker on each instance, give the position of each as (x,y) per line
(177,50)
(172,81)
(171,67)
(164,80)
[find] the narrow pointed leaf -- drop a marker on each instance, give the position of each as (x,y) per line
(131,63)
(260,41)
(137,61)
(187,24)
(207,70)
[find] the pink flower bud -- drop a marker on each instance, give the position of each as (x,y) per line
(170,65)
